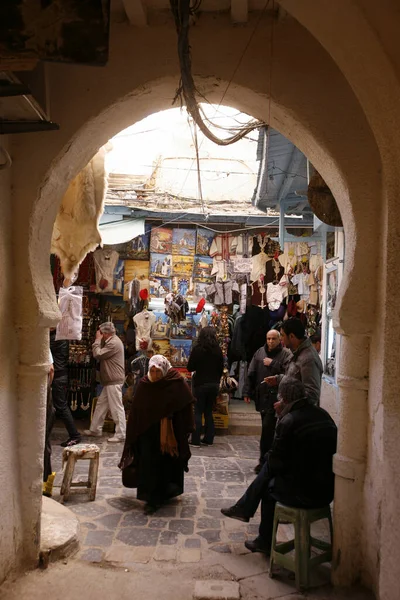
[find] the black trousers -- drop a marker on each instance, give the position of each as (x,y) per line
(205,395)
(59,390)
(50,418)
(259,491)
(268,424)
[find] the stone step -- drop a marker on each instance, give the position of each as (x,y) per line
(59,536)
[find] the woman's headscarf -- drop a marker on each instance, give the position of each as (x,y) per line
(160,362)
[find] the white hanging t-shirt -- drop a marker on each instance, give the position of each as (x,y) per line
(275,295)
(144,322)
(105,262)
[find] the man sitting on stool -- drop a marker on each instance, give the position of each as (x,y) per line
(298,468)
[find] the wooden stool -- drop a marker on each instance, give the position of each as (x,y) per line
(70,456)
(302,544)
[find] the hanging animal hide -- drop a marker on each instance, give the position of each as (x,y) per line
(76,228)
(322,201)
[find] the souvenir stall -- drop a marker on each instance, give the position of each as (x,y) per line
(160,288)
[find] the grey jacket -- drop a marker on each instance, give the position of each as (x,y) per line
(112,362)
(306,365)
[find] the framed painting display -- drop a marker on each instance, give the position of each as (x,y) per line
(182,265)
(162,347)
(180,351)
(183,330)
(160,287)
(161,327)
(160,264)
(140,247)
(161,240)
(202,268)
(183,241)
(204,241)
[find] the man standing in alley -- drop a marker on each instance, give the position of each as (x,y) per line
(269,360)
(305,363)
(59,387)
(109,351)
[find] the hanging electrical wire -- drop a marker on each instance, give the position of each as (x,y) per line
(187,90)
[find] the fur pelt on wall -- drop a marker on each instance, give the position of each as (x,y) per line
(76,228)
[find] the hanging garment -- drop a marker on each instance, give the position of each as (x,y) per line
(226,244)
(259,265)
(139,368)
(301,280)
(70,303)
(105,262)
(273,271)
(144,322)
(134,299)
(222,292)
(275,295)
(76,228)
(313,299)
(259,293)
(219,268)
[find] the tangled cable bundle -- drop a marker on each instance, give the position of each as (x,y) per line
(187,90)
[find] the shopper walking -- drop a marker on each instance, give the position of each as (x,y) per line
(59,388)
(207,361)
(270,359)
(156,452)
(109,351)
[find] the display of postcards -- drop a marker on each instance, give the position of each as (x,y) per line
(161,327)
(160,287)
(204,241)
(180,352)
(161,240)
(199,290)
(160,264)
(162,347)
(118,283)
(202,268)
(183,241)
(183,330)
(182,265)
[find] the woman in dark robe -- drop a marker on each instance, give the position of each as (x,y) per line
(156,452)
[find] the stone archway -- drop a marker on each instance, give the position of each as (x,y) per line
(315,118)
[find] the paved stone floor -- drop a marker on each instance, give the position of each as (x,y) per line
(184,529)
(125,553)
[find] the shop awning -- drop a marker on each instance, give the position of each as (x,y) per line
(121,231)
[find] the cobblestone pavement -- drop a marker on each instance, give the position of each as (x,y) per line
(183,530)
(189,536)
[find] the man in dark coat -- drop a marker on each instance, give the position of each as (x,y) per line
(269,360)
(298,468)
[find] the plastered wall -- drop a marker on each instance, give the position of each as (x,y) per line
(10,523)
(335,97)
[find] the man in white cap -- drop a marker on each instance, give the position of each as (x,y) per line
(109,351)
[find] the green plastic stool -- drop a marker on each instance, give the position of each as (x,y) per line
(302,544)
